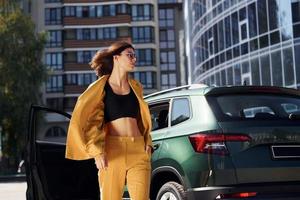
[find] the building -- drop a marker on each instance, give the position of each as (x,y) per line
(171,43)
(78,28)
(237,42)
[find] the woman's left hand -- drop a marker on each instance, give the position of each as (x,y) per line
(149,149)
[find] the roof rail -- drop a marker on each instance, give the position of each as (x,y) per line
(187,87)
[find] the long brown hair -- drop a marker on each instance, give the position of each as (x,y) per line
(102,62)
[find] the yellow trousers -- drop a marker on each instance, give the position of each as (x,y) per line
(128,163)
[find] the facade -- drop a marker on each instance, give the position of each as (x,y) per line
(170,16)
(238,42)
(79,28)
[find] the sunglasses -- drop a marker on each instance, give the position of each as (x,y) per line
(130,55)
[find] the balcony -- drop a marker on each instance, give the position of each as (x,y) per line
(89,1)
(76,66)
(93,43)
(74,89)
(76,21)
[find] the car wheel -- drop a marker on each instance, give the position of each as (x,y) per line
(171,191)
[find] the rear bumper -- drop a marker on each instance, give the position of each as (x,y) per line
(264,192)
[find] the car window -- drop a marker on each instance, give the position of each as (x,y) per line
(159,115)
(254,106)
(180,111)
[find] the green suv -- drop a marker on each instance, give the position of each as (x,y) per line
(210,143)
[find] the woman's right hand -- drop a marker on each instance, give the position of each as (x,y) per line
(101,162)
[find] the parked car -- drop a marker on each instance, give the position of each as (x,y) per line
(210,143)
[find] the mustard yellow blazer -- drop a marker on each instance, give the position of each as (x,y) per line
(87,130)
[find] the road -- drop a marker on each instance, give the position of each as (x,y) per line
(13,191)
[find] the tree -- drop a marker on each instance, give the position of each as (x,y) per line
(21,76)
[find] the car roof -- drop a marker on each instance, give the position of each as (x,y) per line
(204,90)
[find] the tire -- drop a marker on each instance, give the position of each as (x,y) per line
(171,191)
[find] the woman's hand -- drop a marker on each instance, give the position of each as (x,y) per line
(101,162)
(148,149)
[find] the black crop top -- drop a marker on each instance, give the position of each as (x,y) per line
(118,106)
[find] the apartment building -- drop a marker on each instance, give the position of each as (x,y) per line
(79,28)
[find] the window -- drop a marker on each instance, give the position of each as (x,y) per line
(85,56)
(55,103)
(243,33)
(159,115)
(52,1)
(107,33)
(167,38)
(166,17)
(52,16)
(80,79)
(54,84)
(69,103)
(258,106)
(167,60)
(145,57)
(54,39)
(211,46)
(296,12)
(143,34)
(180,111)
(168,80)
(70,11)
(148,79)
(142,12)
(54,60)
(123,9)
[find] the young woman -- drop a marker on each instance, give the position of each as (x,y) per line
(111,123)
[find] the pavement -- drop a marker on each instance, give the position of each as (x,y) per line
(13,190)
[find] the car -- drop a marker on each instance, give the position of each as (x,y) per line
(210,143)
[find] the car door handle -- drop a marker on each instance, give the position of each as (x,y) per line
(155,146)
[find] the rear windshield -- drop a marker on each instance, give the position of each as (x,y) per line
(254,106)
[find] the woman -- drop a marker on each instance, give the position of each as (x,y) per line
(111,123)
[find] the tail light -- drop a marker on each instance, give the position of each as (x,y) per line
(215,143)
(237,195)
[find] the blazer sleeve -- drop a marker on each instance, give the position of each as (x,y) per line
(86,134)
(147,136)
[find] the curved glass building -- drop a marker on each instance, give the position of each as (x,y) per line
(237,42)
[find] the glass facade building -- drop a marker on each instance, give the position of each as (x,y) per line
(237,42)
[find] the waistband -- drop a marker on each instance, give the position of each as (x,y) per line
(125,138)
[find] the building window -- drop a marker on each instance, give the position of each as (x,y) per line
(148,79)
(80,79)
(70,11)
(166,17)
(167,38)
(145,57)
(85,56)
(167,60)
(69,103)
(142,12)
(54,60)
(107,33)
(55,103)
(52,1)
(243,33)
(54,84)
(211,46)
(168,80)
(143,34)
(52,16)
(123,9)
(54,39)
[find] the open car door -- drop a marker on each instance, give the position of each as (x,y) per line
(49,174)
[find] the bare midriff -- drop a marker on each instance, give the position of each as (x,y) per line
(125,126)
